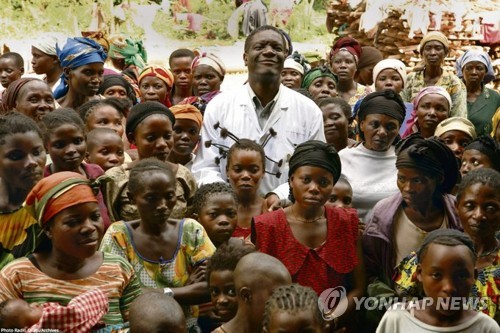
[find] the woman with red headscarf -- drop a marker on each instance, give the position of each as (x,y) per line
(155,84)
(67,262)
(344,60)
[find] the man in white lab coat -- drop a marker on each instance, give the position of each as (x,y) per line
(258,108)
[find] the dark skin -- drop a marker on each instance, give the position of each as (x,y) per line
(433,53)
(157,237)
(474,73)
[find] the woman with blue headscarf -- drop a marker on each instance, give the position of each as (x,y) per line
(475,69)
(82,60)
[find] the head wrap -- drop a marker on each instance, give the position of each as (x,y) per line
(292,64)
(456,124)
(187,111)
(384,102)
(489,147)
(141,111)
(495,122)
(315,73)
(370,56)
(116,80)
(316,153)
(158,71)
(395,64)
(432,90)
(211,60)
(347,44)
(434,36)
(57,192)
(74,53)
(288,42)
(98,36)
(475,55)
(10,94)
(132,51)
(431,156)
(47,44)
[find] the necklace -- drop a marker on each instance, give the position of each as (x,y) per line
(482,255)
(307,221)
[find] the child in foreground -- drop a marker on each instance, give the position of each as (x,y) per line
(80,315)
(446,271)
(293,309)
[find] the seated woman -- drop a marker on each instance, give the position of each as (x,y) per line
(475,69)
(82,60)
(32,97)
(168,255)
(22,160)
(150,128)
(321,83)
(431,106)
(67,262)
(318,244)
(478,206)
(426,172)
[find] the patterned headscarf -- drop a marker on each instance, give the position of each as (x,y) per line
(57,192)
(211,60)
(47,44)
(163,74)
(77,52)
(495,122)
(475,55)
(99,37)
(132,51)
(347,44)
(315,73)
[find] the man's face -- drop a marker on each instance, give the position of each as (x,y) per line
(265,54)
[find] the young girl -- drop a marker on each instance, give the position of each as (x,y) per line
(341,194)
(64,136)
(293,309)
(245,170)
(215,207)
(188,121)
(150,128)
(104,148)
(446,262)
(168,255)
(221,281)
(107,113)
(318,244)
(22,159)
(483,152)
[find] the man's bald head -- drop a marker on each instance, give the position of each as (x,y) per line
(255,269)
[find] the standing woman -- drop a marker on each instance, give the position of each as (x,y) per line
(82,60)
(318,244)
(426,173)
(475,68)
(45,60)
(321,83)
(344,60)
(155,84)
(431,106)
(67,263)
(370,166)
(208,74)
(294,68)
(434,47)
(22,160)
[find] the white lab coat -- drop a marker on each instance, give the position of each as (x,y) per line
(295,118)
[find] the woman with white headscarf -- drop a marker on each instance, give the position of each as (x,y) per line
(475,69)
(45,60)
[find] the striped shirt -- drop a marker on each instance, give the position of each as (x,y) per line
(116,278)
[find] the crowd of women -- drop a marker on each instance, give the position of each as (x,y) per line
(104,228)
